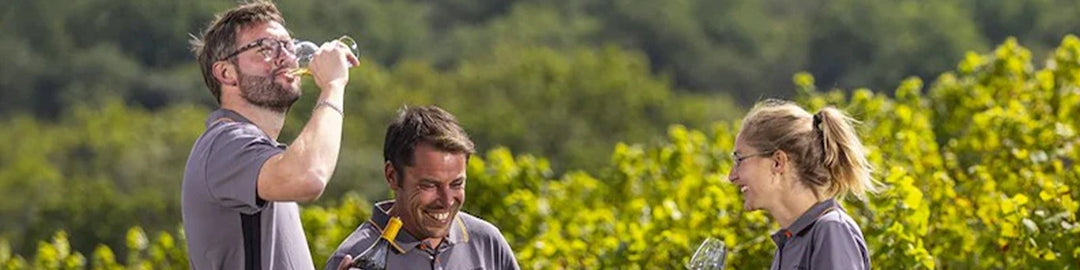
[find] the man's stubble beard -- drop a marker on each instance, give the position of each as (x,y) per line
(264,92)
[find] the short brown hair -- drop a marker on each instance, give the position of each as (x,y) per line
(825,149)
(219,38)
(427,124)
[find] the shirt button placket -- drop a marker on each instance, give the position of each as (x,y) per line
(436,264)
(433,255)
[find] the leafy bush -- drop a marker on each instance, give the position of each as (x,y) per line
(979,173)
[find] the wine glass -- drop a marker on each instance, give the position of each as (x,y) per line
(305,51)
(710,255)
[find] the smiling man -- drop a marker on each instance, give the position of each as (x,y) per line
(426,153)
(241,185)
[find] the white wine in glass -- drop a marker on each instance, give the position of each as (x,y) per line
(710,255)
(305,51)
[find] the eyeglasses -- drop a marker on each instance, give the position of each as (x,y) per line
(739,159)
(269,48)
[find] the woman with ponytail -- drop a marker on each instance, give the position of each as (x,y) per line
(794,165)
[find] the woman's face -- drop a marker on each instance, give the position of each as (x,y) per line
(753,173)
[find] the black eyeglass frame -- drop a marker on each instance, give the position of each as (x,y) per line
(738,159)
(280,46)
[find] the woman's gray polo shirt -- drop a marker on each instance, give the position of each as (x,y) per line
(824,237)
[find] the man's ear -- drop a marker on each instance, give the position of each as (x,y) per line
(391,175)
(225,73)
(780,160)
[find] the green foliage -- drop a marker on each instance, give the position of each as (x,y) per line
(571,106)
(1011,145)
(990,149)
(326,227)
(164,252)
(93,174)
(978,172)
(61,53)
(998,191)
(645,211)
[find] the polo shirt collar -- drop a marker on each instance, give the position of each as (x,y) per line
(805,220)
(406,242)
(225,113)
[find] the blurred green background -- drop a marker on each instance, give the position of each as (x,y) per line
(100,100)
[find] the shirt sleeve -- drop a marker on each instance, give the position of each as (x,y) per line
(362,237)
(838,245)
(504,256)
(233,164)
(508,261)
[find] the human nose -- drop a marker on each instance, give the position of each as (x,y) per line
(285,55)
(446,196)
(733,174)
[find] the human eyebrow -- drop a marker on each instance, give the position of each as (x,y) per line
(246,47)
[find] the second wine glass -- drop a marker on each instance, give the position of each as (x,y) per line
(710,255)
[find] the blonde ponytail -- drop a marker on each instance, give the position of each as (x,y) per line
(845,157)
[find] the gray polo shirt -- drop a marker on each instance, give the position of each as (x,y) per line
(472,244)
(824,237)
(226,224)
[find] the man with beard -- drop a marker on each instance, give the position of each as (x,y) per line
(240,185)
(425,153)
